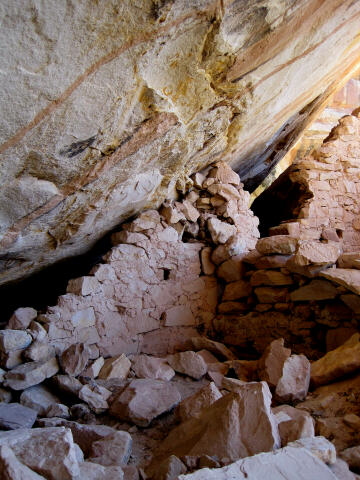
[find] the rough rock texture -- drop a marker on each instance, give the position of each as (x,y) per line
(152,92)
(12,469)
(288,464)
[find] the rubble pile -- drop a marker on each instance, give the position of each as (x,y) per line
(194,351)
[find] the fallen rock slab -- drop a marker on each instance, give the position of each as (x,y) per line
(349,278)
(74,359)
(293,424)
(217,348)
(193,406)
(115,367)
(84,435)
(115,449)
(38,398)
(48,451)
(235,426)
(14,415)
(21,318)
(14,340)
(29,374)
(189,363)
(295,380)
(286,464)
(145,366)
(12,469)
(94,471)
(271,363)
(337,363)
(145,399)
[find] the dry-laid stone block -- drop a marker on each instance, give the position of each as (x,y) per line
(315,290)
(30,374)
(271,294)
(193,406)
(14,416)
(12,469)
(337,363)
(39,398)
(207,266)
(294,382)
(11,340)
(293,424)
(271,363)
(243,421)
(188,363)
(83,286)
(48,451)
(75,358)
(223,173)
(145,366)
(349,260)
(93,370)
(220,231)
(352,301)
(145,399)
(283,244)
(236,290)
(21,318)
(316,253)
(270,277)
(232,270)
(115,449)
(39,350)
(271,261)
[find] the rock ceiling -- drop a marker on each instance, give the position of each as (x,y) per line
(109,106)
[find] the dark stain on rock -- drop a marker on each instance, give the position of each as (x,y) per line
(77,147)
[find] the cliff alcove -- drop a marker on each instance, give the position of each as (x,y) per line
(207,335)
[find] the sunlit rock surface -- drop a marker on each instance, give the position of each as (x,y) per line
(107,106)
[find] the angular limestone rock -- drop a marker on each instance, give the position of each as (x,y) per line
(68,384)
(11,340)
(293,424)
(12,469)
(93,370)
(48,451)
(235,426)
(208,267)
(295,380)
(337,363)
(94,471)
(14,415)
(193,406)
(30,374)
(84,435)
(115,449)
(283,244)
(319,446)
(271,294)
(217,348)
(39,350)
(271,363)
(58,410)
(288,463)
(232,270)
(83,286)
(74,359)
(189,363)
(145,399)
(145,366)
(115,367)
(168,469)
(95,396)
(21,318)
(223,173)
(346,277)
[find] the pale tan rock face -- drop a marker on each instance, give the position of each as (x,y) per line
(93,131)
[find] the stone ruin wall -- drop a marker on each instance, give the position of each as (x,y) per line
(192,269)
